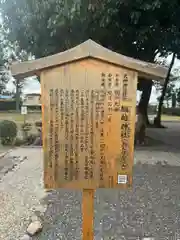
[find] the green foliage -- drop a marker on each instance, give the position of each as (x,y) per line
(171,111)
(169,93)
(8,132)
(26,127)
(132,27)
(34,108)
(38,124)
(19,142)
(178,96)
(8,105)
(174,100)
(30,139)
(152,109)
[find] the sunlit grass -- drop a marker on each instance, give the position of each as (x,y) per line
(170,118)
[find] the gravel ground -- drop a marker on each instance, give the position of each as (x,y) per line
(20,192)
(151,208)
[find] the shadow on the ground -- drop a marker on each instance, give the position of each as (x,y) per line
(153,144)
(151,208)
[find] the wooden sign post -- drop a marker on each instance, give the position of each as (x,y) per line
(88,214)
(88,112)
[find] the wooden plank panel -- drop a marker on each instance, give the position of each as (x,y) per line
(88,214)
(89,119)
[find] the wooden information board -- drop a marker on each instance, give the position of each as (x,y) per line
(88,112)
(89,117)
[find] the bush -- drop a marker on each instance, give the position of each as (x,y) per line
(8,105)
(31,139)
(8,132)
(171,111)
(19,142)
(38,124)
(26,127)
(34,108)
(152,109)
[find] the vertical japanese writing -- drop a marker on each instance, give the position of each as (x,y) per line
(82,118)
(92,152)
(124,154)
(61,108)
(117,81)
(72,165)
(87,147)
(117,95)
(103,80)
(125,87)
(66,115)
(87,132)
(110,80)
(87,120)
(110,99)
(100,110)
(77,135)
(56,132)
(125,134)
(66,169)
(51,152)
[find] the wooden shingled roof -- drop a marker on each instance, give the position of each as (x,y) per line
(89,49)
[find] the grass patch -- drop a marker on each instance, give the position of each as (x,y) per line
(19,118)
(170,118)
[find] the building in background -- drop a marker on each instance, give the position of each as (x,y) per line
(32,100)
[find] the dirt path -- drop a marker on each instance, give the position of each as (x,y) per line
(170,136)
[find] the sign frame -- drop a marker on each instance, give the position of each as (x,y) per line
(87,50)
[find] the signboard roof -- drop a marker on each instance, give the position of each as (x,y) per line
(89,49)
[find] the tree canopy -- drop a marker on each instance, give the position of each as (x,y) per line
(137,28)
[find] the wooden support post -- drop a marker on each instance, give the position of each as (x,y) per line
(88,214)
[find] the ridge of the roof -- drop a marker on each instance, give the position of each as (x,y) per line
(86,49)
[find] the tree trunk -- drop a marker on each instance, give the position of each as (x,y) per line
(157,120)
(145,86)
(167,103)
(174,100)
(17,96)
(145,96)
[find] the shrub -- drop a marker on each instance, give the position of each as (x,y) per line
(171,111)
(8,132)
(38,124)
(26,127)
(19,142)
(152,109)
(31,139)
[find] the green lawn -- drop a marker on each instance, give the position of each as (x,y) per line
(36,116)
(18,118)
(170,118)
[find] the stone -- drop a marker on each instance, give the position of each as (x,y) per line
(35,218)
(34,228)
(26,237)
(148,238)
(41,208)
